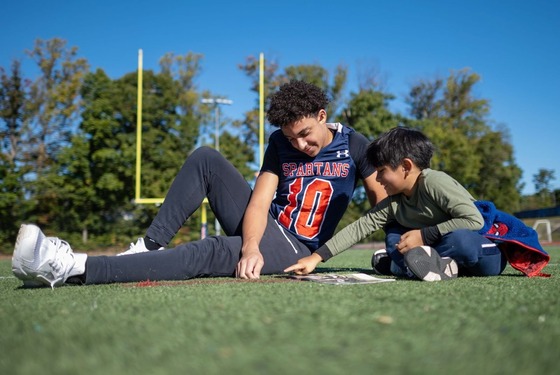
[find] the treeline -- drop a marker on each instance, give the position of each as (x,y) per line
(69,138)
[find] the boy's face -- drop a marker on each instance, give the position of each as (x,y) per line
(392,180)
(309,135)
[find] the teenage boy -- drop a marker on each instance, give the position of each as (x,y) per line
(306,182)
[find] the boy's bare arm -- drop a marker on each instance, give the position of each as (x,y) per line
(254,224)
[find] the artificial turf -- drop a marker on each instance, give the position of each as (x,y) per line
(494,325)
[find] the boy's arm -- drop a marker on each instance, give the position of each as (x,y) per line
(346,238)
(372,221)
(254,225)
(457,202)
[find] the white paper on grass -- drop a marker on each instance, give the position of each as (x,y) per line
(341,279)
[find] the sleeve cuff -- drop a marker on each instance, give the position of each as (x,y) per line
(430,235)
(324,252)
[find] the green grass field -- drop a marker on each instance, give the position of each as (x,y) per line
(500,325)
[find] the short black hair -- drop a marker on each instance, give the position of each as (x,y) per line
(392,147)
(294,101)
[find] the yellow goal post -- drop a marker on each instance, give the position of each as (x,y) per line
(138,188)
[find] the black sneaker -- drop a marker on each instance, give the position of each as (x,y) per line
(381,263)
(426,264)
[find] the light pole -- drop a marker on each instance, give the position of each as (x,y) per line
(217,102)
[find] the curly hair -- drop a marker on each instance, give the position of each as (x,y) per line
(392,147)
(294,101)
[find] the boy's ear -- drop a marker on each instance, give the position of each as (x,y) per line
(407,164)
(322,116)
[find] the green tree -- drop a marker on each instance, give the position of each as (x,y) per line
(53,99)
(12,162)
(499,176)
(443,112)
(13,205)
(87,186)
(468,148)
(94,182)
(424,101)
(543,187)
(184,70)
(37,120)
(13,98)
(53,105)
(368,112)
(333,85)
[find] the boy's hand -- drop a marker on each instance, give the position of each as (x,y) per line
(250,265)
(410,240)
(305,265)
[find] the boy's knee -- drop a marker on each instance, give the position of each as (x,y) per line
(463,246)
(203,152)
(204,157)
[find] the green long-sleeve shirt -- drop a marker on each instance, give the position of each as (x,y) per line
(438,201)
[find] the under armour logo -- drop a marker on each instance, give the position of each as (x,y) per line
(344,153)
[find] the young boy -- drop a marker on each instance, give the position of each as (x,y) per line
(309,173)
(430,220)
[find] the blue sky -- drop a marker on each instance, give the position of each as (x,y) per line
(512,45)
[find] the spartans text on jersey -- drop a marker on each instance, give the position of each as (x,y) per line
(326,169)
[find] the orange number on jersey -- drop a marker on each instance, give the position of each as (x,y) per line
(315,202)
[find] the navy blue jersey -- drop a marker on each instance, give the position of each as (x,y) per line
(314,192)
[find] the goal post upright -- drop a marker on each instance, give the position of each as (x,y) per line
(261,108)
(139,126)
(137,196)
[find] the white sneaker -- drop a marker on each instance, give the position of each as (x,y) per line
(138,247)
(40,260)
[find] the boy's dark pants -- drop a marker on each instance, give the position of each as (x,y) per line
(475,255)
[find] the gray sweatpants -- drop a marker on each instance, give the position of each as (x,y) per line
(205,173)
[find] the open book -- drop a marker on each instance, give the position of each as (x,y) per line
(341,279)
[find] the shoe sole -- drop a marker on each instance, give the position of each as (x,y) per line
(426,264)
(25,254)
(381,263)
